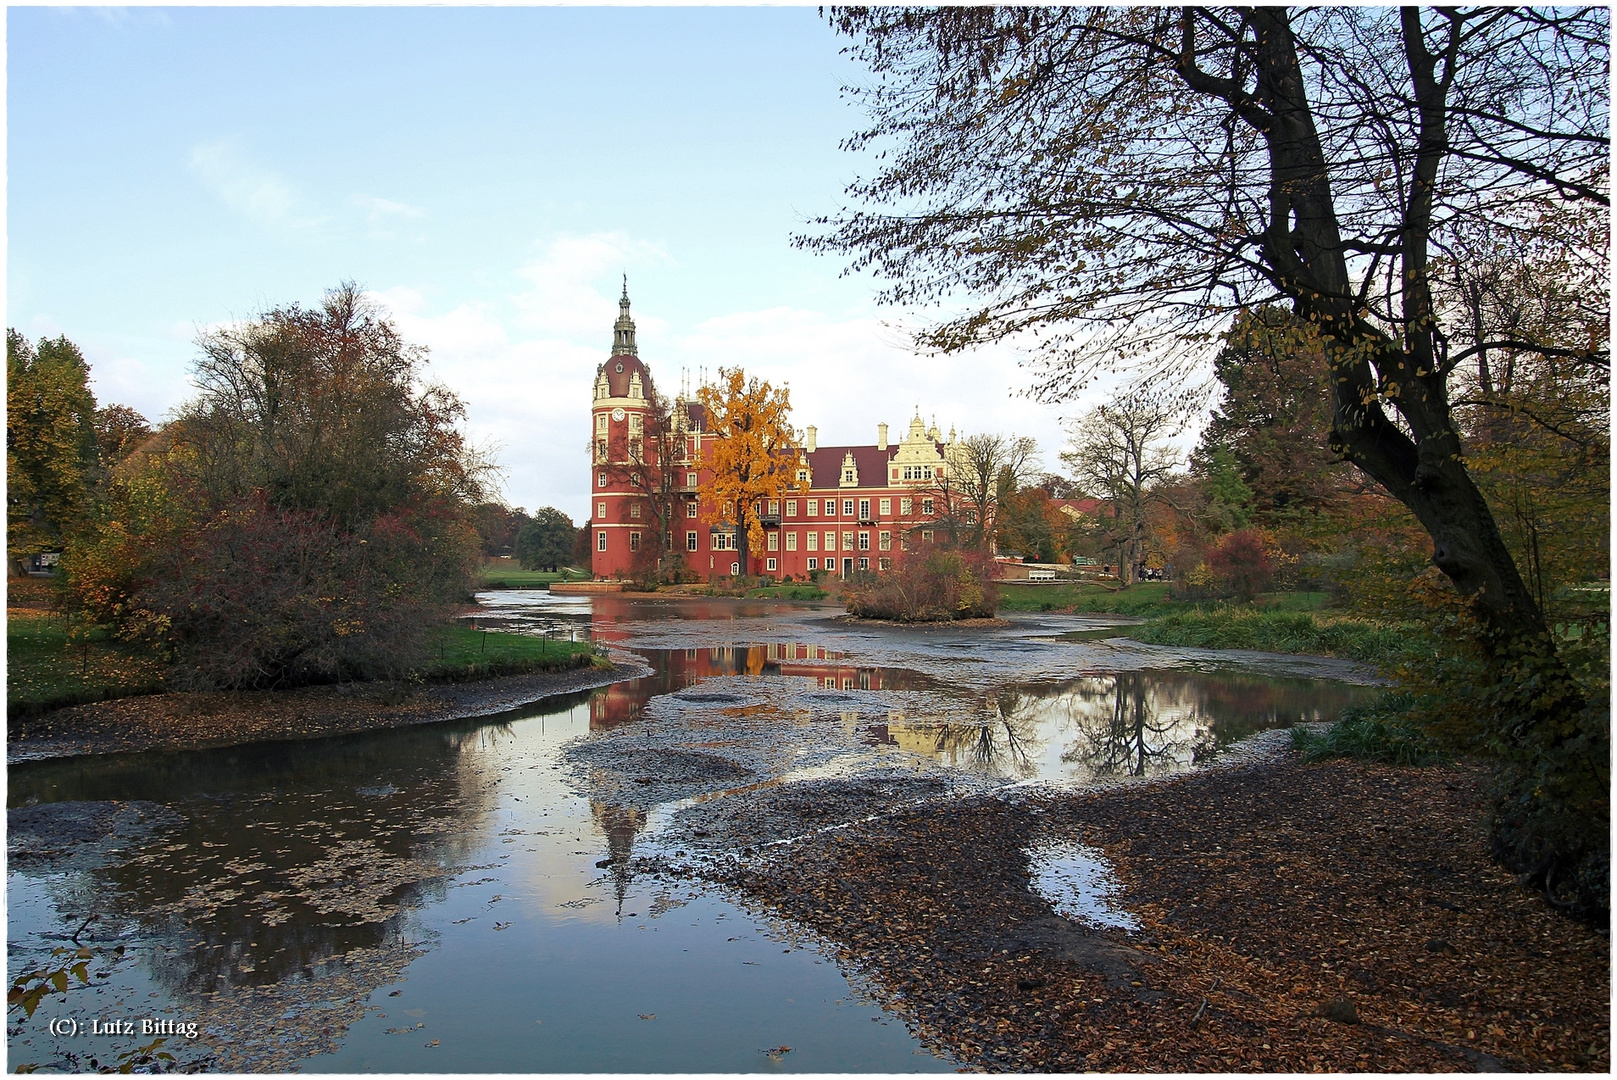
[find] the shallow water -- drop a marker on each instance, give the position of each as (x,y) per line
(460,897)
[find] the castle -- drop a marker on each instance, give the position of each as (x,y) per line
(862,503)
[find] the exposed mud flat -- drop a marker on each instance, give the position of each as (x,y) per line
(1292,917)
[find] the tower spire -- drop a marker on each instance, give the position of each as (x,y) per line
(623,329)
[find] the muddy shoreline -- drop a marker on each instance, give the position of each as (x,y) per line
(194,721)
(1270,893)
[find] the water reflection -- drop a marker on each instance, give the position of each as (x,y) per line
(280,855)
(1138,723)
(268,869)
(675,669)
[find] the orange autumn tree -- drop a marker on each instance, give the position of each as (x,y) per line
(753,457)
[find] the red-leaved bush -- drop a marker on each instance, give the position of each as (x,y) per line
(259,596)
(927,584)
(1241,564)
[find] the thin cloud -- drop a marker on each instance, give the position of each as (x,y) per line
(259,194)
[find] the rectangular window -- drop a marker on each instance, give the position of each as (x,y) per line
(600,423)
(926,507)
(904,506)
(637,424)
(791,507)
(690,509)
(813,507)
(773,541)
(830,541)
(864,563)
(600,541)
(813,563)
(600,480)
(769,564)
(884,541)
(690,541)
(830,682)
(634,541)
(885,564)
(864,543)
(600,450)
(600,511)
(847,508)
(774,508)
(690,479)
(886,507)
(813,541)
(864,509)
(791,541)
(847,541)
(926,535)
(634,510)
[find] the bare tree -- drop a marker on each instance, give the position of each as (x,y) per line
(982,470)
(1119,453)
(1119,181)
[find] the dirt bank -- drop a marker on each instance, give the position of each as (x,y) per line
(1267,894)
(189,721)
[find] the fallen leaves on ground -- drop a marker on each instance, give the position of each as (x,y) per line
(1267,896)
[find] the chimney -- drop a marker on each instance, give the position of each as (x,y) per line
(813,439)
(881,436)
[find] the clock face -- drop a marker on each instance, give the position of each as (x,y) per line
(617,414)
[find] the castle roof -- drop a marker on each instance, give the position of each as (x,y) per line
(825,464)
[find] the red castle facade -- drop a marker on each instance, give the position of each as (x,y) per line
(860,506)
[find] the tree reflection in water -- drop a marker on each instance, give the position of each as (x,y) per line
(1135,727)
(288,854)
(1003,740)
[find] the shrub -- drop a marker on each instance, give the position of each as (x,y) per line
(308,517)
(1379,731)
(1242,564)
(927,584)
(262,597)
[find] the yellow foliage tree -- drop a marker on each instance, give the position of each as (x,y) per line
(754,456)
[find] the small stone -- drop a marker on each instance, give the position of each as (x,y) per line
(1438,945)
(1341,1010)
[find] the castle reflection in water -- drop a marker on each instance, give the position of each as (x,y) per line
(674,669)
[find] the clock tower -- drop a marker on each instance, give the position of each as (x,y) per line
(619,522)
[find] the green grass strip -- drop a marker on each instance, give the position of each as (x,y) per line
(1278,632)
(463,652)
(1378,731)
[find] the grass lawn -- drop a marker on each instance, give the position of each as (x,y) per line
(512,576)
(1276,631)
(46,670)
(1282,622)
(467,653)
(789,592)
(1147,599)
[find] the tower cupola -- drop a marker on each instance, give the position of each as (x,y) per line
(623,330)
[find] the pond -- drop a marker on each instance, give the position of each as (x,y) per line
(465,897)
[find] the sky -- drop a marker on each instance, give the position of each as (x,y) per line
(488,175)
